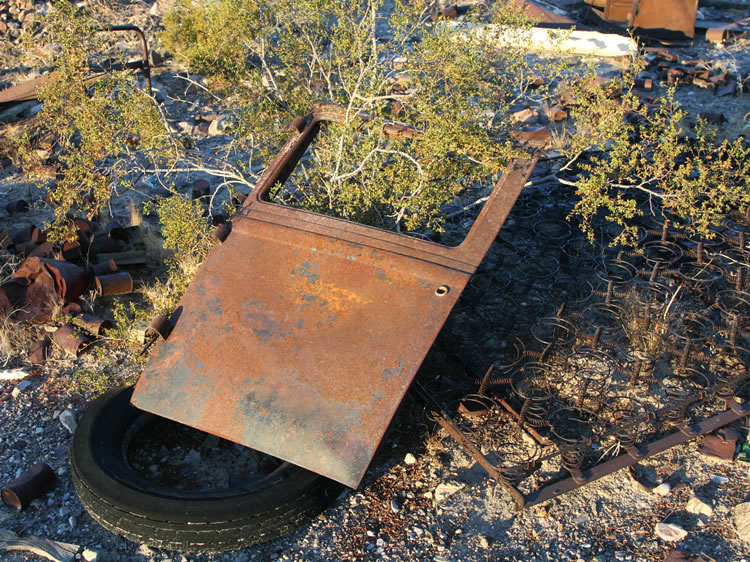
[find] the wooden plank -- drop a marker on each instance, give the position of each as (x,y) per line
(52,550)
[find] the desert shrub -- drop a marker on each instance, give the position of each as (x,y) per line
(187,233)
(646,159)
(455,89)
(100,126)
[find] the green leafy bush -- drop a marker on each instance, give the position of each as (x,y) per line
(455,89)
(647,160)
(99,126)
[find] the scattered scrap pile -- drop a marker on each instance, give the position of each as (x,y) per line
(53,276)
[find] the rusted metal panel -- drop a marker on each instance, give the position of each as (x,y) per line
(672,16)
(301,333)
(676,16)
(618,10)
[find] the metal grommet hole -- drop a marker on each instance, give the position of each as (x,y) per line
(442,290)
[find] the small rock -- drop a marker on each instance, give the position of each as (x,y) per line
(192,457)
(410,459)
(68,421)
(395,508)
(445,490)
(699,506)
(582,519)
(718,479)
(22,386)
(670,532)
(663,489)
(144,550)
(741,515)
(484,542)
(371,534)
(220,125)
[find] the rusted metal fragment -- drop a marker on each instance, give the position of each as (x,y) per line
(722,444)
(92,324)
(304,347)
(68,280)
(666,18)
(29,90)
(542,15)
(70,338)
(38,351)
(620,11)
(660,18)
(30,297)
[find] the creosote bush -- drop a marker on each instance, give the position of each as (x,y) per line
(454,89)
(100,127)
(646,160)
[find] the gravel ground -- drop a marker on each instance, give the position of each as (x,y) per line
(423,497)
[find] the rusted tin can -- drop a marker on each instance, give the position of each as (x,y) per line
(161,325)
(31,484)
(17,206)
(70,339)
(222,231)
(114,284)
(92,324)
(104,268)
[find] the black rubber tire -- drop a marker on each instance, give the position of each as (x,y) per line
(196,520)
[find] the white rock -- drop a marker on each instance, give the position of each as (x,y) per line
(13,374)
(718,479)
(22,386)
(410,459)
(741,515)
(445,490)
(220,125)
(662,489)
(68,421)
(161,7)
(699,506)
(483,542)
(395,508)
(670,532)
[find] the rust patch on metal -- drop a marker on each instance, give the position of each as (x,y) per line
(301,333)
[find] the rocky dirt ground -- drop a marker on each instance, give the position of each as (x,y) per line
(423,497)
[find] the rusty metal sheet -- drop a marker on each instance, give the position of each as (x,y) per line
(672,16)
(301,333)
(620,11)
(662,16)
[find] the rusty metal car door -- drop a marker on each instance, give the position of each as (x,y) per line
(301,333)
